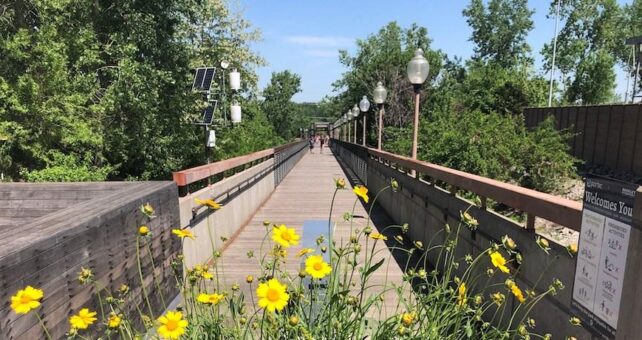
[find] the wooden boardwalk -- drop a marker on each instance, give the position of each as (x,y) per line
(304,195)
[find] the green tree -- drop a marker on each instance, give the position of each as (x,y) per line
(586,46)
(500,30)
(103,86)
(278,105)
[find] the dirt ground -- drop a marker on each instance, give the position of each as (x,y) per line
(573,190)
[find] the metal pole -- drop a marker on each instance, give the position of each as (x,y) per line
(637,73)
(550,87)
(380,126)
(416,122)
(363,142)
(355,131)
(628,78)
(349,130)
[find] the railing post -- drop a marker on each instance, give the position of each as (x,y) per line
(530,222)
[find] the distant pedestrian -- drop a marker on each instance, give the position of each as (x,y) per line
(321,142)
(311,142)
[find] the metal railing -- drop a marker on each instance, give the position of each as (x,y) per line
(556,209)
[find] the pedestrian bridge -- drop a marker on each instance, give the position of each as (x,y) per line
(51,231)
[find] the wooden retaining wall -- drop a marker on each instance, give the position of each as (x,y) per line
(69,226)
(604,135)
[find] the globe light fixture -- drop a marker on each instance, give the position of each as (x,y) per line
(364,106)
(224,64)
(417,71)
(418,68)
(379,95)
(235,110)
(235,80)
(355,114)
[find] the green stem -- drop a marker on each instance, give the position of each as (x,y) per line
(142,281)
(44,328)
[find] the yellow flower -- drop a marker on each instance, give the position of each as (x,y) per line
(575,321)
(207,275)
(377,236)
(85,275)
(408,318)
(461,297)
(340,183)
(147,209)
(304,251)
(498,298)
(210,203)
(509,243)
(172,325)
(517,292)
(316,267)
(143,230)
(114,320)
(469,220)
(272,295)
(26,299)
(572,248)
(182,233)
(294,320)
(210,299)
(499,261)
(249,279)
(362,192)
(83,319)
(285,236)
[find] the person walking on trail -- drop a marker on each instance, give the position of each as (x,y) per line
(311,142)
(321,142)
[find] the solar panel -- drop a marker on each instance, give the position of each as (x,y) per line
(198,78)
(208,113)
(207,80)
(203,78)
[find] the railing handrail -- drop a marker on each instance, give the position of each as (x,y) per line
(553,208)
(191,175)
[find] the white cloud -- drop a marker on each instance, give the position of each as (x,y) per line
(318,41)
(322,53)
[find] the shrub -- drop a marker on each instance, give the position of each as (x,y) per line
(67,168)
(492,145)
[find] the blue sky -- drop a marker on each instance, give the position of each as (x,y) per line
(304,36)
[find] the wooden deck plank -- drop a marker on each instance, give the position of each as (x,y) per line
(305,194)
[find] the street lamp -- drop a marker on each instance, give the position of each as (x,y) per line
(417,73)
(379,95)
(364,106)
(349,119)
(355,114)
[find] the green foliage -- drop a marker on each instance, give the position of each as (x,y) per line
(111,80)
(384,57)
(500,30)
(278,105)
(590,36)
(67,168)
(492,145)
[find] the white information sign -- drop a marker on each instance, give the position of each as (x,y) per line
(601,259)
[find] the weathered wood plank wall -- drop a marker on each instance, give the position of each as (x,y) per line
(98,231)
(604,135)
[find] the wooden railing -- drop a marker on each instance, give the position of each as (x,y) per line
(189,176)
(556,209)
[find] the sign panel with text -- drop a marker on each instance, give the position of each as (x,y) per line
(601,258)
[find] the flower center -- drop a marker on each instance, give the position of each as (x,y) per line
(273,295)
(286,236)
(25,299)
(171,325)
(317,266)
